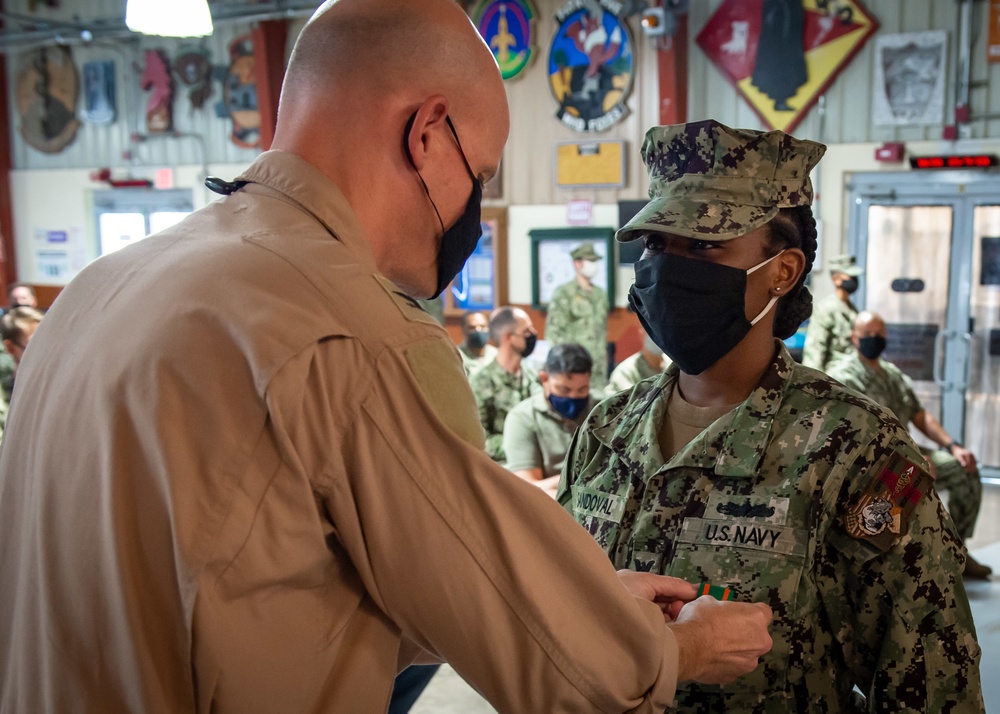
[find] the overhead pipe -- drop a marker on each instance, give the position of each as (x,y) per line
(963,70)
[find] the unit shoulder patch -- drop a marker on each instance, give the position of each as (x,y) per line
(881,514)
(438,372)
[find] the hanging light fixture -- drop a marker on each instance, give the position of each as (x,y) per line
(177,18)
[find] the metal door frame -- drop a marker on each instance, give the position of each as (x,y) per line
(963,191)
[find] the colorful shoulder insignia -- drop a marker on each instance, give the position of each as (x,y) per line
(881,514)
(408,306)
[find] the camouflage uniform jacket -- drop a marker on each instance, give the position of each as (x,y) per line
(890,387)
(631,370)
(581,316)
(828,336)
(497,391)
(762,502)
(471,363)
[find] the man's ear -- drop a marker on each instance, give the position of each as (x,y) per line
(422,128)
(543,376)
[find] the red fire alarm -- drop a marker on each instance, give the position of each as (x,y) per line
(891,151)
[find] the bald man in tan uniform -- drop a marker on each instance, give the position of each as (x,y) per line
(256,483)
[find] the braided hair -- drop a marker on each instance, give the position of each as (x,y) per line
(794,228)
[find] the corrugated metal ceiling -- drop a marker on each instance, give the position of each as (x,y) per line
(79,22)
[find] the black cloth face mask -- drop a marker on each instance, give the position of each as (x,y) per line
(849,285)
(529,344)
(695,310)
(460,240)
(871,347)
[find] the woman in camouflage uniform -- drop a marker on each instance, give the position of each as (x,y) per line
(759,479)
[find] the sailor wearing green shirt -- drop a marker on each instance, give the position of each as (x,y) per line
(538,431)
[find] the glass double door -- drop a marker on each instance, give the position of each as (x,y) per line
(930,246)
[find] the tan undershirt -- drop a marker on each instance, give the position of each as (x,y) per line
(685,422)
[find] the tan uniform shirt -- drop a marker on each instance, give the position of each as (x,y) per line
(244,473)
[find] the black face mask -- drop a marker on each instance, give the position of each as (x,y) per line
(694,310)
(529,344)
(459,241)
(871,347)
(849,285)
(477,339)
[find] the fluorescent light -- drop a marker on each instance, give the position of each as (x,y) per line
(177,18)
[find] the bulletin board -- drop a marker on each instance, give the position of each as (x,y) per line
(482,282)
(551,264)
(591,164)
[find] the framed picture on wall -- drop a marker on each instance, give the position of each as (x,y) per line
(482,283)
(551,264)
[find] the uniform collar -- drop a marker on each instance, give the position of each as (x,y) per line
(301,182)
(733,449)
(540,403)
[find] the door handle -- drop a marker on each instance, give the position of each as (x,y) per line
(938,371)
(967,337)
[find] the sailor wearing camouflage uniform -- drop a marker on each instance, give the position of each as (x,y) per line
(578,312)
(647,362)
(757,478)
(828,336)
(506,381)
(955,469)
(475,348)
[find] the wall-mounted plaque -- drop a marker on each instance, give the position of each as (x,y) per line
(591,64)
(781,55)
(508,27)
(593,164)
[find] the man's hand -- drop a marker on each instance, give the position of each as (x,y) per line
(550,485)
(964,457)
(720,641)
(669,593)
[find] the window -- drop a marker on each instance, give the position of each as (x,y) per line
(127,215)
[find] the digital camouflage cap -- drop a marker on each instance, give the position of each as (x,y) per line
(584,251)
(845,264)
(707,180)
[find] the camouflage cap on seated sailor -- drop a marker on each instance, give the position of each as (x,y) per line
(845,264)
(584,251)
(709,181)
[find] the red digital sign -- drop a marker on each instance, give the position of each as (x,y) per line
(957,161)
